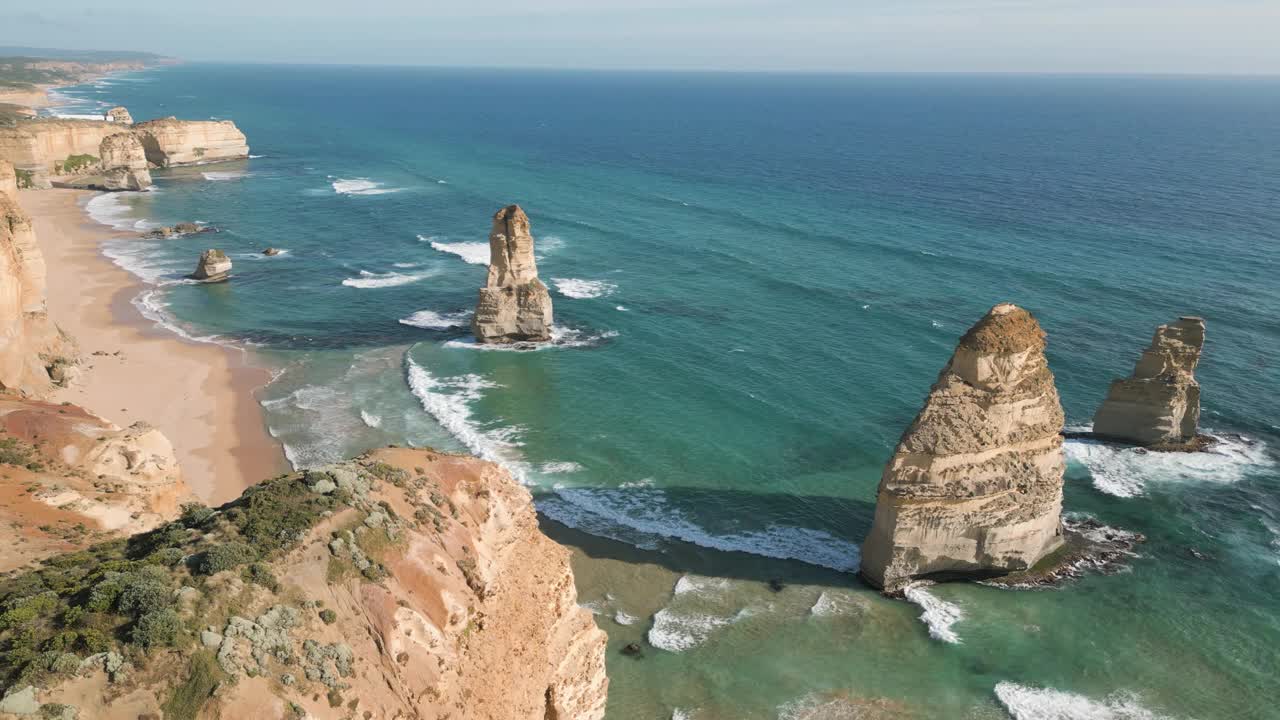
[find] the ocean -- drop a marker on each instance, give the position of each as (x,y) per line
(756,278)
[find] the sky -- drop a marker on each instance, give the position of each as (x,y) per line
(1088,36)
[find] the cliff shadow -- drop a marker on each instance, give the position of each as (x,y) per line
(816,543)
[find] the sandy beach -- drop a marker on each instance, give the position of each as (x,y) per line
(200,395)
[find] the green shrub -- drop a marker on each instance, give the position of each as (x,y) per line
(278,513)
(187,699)
(76,163)
(260,574)
(167,557)
(26,179)
(328,616)
(157,629)
(224,557)
(15,452)
(195,514)
(145,592)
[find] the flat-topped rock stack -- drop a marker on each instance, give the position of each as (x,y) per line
(974,488)
(118,114)
(124,163)
(1159,404)
(514,305)
(214,266)
(170,141)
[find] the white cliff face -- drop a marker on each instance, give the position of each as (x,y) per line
(31,345)
(170,141)
(975,485)
(514,305)
(124,162)
(1159,404)
(8,179)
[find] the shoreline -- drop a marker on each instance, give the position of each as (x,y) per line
(200,395)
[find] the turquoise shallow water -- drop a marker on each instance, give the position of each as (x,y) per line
(756,279)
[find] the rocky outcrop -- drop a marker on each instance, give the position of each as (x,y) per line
(974,487)
(214,265)
(124,163)
(170,141)
(1159,404)
(8,179)
(49,147)
(119,115)
(33,351)
(76,479)
(514,305)
(405,584)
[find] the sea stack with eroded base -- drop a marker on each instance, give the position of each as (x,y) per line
(514,305)
(214,266)
(1159,404)
(974,488)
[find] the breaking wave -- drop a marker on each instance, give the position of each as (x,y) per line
(583,289)
(1126,472)
(368,279)
(938,614)
(561,337)
(449,399)
(1028,703)
(360,186)
(433,320)
(474,253)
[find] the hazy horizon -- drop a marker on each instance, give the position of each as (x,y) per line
(967,36)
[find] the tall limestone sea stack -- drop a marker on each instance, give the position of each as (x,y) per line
(1159,404)
(975,485)
(124,163)
(514,305)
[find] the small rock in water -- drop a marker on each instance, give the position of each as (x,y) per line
(776,585)
(1196,554)
(271,251)
(632,650)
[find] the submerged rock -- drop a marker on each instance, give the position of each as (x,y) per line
(271,251)
(974,488)
(1159,404)
(214,265)
(514,305)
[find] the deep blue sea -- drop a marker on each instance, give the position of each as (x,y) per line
(756,278)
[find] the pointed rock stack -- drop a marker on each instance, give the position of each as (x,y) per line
(514,305)
(1159,404)
(975,485)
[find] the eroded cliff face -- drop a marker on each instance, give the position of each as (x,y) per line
(170,141)
(975,485)
(1159,404)
(124,162)
(405,584)
(45,147)
(8,180)
(33,351)
(514,305)
(75,479)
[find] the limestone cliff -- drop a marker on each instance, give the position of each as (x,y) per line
(124,162)
(49,147)
(118,114)
(75,479)
(406,584)
(170,141)
(213,265)
(33,351)
(514,305)
(8,180)
(1159,404)
(975,485)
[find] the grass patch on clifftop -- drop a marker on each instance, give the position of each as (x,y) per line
(123,596)
(203,677)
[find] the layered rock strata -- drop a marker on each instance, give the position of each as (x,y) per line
(124,163)
(33,351)
(1159,404)
(974,487)
(8,179)
(406,584)
(118,114)
(514,305)
(214,265)
(170,141)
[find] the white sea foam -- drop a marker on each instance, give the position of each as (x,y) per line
(1028,703)
(224,175)
(325,410)
(474,253)
(368,279)
(77,116)
(681,714)
(675,632)
(370,419)
(831,603)
(622,308)
(583,289)
(110,209)
(561,337)
(151,304)
(433,320)
(623,618)
(403,265)
(557,468)
(643,516)
(1127,471)
(449,399)
(938,614)
(360,186)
